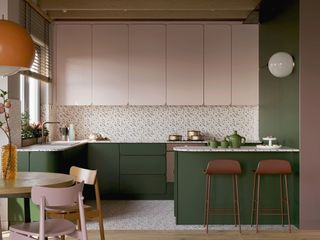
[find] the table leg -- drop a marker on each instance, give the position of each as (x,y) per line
(27,210)
(0,229)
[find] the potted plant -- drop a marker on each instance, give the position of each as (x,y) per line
(31,132)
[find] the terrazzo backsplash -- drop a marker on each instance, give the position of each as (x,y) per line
(155,123)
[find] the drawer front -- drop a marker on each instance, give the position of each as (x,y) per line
(142,164)
(142,184)
(142,149)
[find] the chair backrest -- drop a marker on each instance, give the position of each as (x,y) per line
(81,174)
(56,196)
(89,177)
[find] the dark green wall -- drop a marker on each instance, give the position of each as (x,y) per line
(279,97)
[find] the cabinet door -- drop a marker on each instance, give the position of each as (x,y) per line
(73,61)
(185,64)
(105,158)
(245,67)
(217,65)
(147,65)
(110,65)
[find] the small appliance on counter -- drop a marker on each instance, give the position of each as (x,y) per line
(270,145)
(194,135)
(175,137)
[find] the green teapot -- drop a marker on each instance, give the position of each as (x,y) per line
(213,143)
(236,140)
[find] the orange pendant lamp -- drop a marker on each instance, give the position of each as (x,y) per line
(16,48)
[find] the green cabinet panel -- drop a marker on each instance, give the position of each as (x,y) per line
(23,161)
(46,161)
(76,156)
(142,165)
(15,205)
(143,184)
(54,161)
(105,158)
(142,149)
(189,191)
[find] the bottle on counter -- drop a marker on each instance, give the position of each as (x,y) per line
(71,132)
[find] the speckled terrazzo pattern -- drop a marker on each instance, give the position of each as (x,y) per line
(145,123)
(151,215)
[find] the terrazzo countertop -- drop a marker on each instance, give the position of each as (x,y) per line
(52,146)
(65,145)
(241,149)
(146,141)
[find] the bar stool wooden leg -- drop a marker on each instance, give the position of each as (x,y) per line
(287,201)
(281,199)
(253,198)
(234,202)
(208,207)
(205,203)
(238,202)
(257,204)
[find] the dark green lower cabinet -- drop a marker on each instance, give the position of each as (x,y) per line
(105,158)
(142,184)
(189,192)
(51,161)
(143,171)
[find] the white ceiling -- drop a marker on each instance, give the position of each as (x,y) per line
(148,9)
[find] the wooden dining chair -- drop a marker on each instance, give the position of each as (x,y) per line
(45,228)
(88,177)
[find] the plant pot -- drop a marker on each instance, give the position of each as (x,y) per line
(28,142)
(9,161)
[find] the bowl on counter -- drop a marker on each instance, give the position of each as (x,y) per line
(196,138)
(193,135)
(175,137)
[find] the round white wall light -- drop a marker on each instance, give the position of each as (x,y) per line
(281,64)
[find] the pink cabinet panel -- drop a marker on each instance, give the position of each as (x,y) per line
(217,65)
(185,64)
(73,64)
(245,64)
(147,64)
(110,64)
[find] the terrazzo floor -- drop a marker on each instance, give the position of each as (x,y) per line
(152,215)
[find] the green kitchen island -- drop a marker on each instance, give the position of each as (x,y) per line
(189,188)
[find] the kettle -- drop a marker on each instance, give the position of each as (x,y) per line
(236,140)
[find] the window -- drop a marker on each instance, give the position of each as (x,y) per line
(41,69)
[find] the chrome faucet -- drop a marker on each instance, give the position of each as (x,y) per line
(43,139)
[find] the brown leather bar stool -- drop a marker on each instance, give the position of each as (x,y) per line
(222,167)
(271,167)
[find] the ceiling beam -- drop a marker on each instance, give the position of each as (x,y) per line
(150,15)
(114,5)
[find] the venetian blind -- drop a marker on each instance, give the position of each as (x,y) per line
(39,29)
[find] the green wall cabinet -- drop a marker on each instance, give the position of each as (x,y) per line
(105,158)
